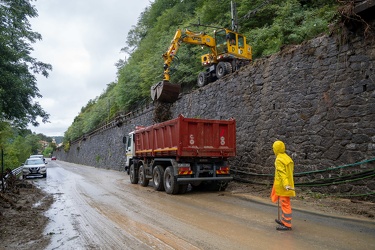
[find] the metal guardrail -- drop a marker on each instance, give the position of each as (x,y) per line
(16,172)
(362,5)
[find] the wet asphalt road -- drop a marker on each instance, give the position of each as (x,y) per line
(100,209)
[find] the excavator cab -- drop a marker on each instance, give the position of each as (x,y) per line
(231,43)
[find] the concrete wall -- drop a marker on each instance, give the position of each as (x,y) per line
(318,97)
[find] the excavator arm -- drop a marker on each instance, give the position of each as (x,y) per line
(188,37)
(165,91)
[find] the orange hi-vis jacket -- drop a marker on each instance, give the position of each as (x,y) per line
(284,167)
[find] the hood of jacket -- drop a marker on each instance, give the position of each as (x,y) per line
(278,147)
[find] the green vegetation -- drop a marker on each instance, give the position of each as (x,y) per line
(19,144)
(268,25)
(97,158)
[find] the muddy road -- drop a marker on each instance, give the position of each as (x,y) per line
(99,209)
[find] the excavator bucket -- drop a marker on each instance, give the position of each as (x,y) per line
(165,91)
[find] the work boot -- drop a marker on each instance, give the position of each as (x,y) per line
(279,222)
(283,228)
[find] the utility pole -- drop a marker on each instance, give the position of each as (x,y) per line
(234,16)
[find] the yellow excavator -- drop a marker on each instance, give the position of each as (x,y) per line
(228,52)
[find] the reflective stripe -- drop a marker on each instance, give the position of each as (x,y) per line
(287,215)
(287,221)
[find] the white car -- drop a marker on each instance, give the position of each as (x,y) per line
(34,167)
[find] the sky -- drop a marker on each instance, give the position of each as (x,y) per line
(82,40)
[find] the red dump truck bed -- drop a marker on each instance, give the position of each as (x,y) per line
(187,137)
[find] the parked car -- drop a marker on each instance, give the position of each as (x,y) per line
(53,158)
(34,167)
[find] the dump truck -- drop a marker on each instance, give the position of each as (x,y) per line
(229,51)
(182,151)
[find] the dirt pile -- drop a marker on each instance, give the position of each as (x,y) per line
(22,219)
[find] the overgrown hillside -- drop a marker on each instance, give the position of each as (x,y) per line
(267,24)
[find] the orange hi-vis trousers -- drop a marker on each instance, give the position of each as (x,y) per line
(286,208)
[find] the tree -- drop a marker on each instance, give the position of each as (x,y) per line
(17,68)
(18,144)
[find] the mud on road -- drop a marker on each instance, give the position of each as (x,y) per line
(22,219)
(23,211)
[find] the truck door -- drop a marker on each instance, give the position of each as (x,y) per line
(232,43)
(129,149)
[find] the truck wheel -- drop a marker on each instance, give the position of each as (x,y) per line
(158,177)
(202,79)
(222,69)
(142,176)
(170,183)
(229,67)
(133,175)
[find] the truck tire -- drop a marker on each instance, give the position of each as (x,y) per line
(158,177)
(202,79)
(143,181)
(229,67)
(170,182)
(133,174)
(222,69)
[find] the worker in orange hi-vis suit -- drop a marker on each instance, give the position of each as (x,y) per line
(283,186)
